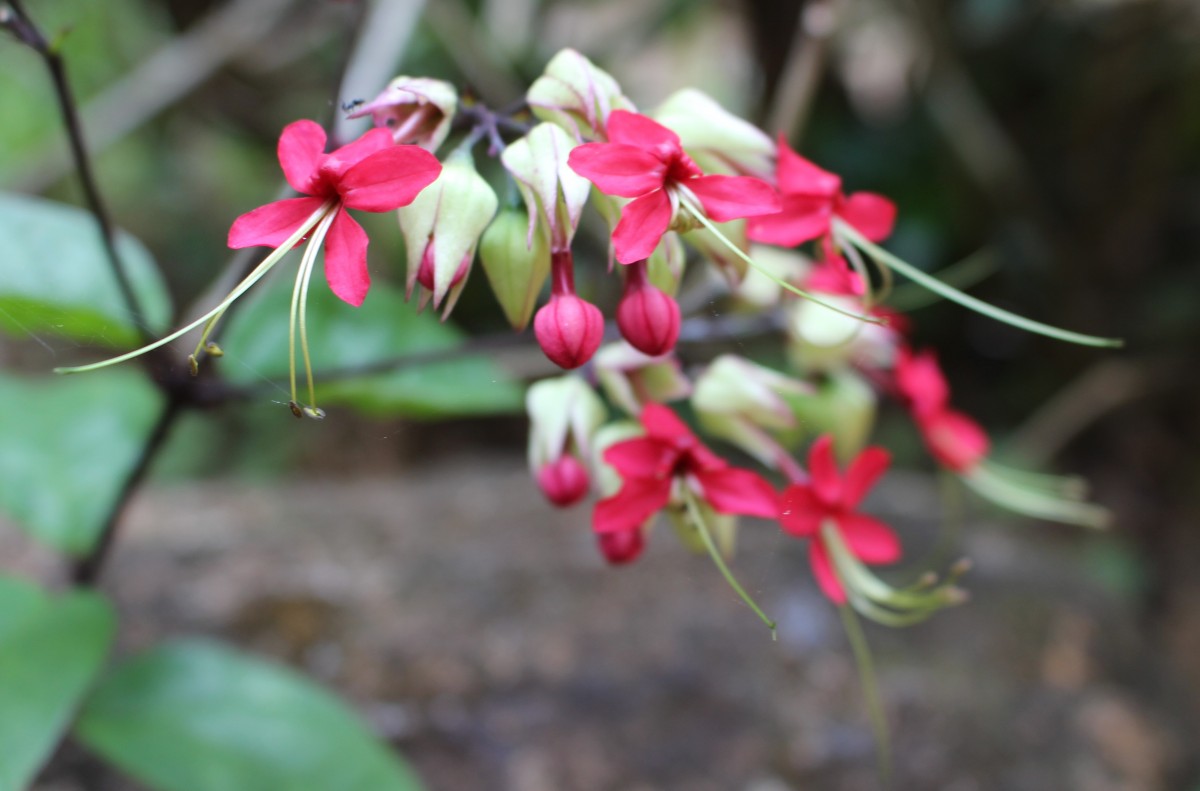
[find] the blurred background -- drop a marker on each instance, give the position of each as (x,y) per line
(402,555)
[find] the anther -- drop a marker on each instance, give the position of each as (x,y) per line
(296,410)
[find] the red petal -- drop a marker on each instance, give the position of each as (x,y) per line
(736,491)
(271,225)
(388,179)
(642,457)
(873,215)
(822,468)
(796,175)
(346,259)
(732,197)
(337,163)
(862,474)
(919,378)
(643,222)
(955,440)
(801,218)
(822,568)
(301,148)
(870,540)
(800,512)
(645,133)
(637,501)
(622,170)
(662,423)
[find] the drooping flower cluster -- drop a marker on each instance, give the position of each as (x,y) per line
(688,177)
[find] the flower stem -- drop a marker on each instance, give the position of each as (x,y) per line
(241,288)
(733,248)
(711,546)
(870,687)
(847,233)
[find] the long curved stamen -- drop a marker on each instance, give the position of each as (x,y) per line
(702,528)
(1039,501)
(318,241)
(297,317)
(241,288)
(848,234)
(703,220)
(870,688)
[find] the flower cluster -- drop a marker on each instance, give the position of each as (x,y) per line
(688,176)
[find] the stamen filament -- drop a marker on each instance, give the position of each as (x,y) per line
(241,288)
(317,242)
(870,688)
(306,265)
(711,546)
(1039,504)
(847,233)
(703,220)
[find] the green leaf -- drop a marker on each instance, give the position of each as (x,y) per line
(56,279)
(68,444)
(198,716)
(342,337)
(50,652)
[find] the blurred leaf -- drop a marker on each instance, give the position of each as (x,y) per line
(342,337)
(197,716)
(50,651)
(68,443)
(55,278)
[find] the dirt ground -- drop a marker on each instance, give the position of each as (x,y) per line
(477,630)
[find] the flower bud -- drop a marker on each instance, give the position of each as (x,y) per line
(647,317)
(564,482)
(573,93)
(415,109)
(569,330)
(553,192)
(442,228)
(622,546)
(515,270)
(632,379)
(717,140)
(954,439)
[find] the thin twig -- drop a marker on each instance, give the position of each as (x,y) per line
(24,29)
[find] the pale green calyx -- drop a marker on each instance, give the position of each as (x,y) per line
(844,406)
(760,289)
(564,411)
(416,110)
(577,95)
(554,193)
(608,480)
(515,270)
(442,228)
(715,138)
(631,379)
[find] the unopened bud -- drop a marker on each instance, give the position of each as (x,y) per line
(569,330)
(647,317)
(577,95)
(716,139)
(564,482)
(622,546)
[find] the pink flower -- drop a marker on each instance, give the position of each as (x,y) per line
(832,499)
(955,440)
(645,161)
(670,455)
(568,328)
(370,174)
(811,198)
(565,481)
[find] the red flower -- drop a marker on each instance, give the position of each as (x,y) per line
(670,455)
(647,316)
(645,161)
(955,440)
(370,174)
(830,498)
(811,198)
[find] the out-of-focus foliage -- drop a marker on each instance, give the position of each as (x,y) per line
(57,280)
(197,716)
(68,445)
(51,650)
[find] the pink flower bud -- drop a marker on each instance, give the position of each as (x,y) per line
(622,546)
(569,330)
(564,482)
(648,318)
(955,440)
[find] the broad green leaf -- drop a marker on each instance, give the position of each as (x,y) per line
(198,716)
(50,652)
(342,337)
(55,278)
(67,445)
